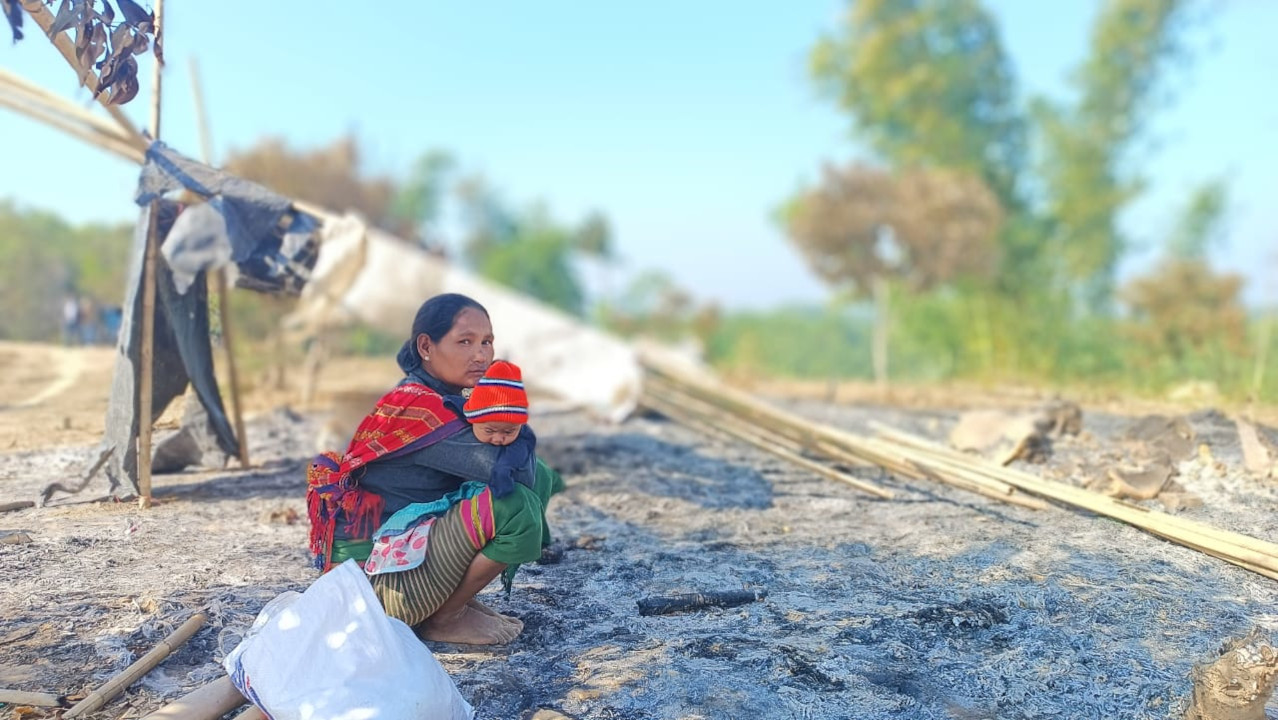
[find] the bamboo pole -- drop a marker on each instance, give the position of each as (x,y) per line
(148,291)
(685,412)
(219,280)
(16,505)
(54,117)
(834,443)
(43,18)
(19,86)
(672,410)
(760,437)
(917,457)
(822,439)
(1233,547)
(1031,481)
(35,699)
(207,702)
(140,667)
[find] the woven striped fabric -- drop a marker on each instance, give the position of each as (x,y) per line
(414,595)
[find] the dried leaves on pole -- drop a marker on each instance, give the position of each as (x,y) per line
(104,40)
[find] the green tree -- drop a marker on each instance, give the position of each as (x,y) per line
(1086,171)
(1202,224)
(863,229)
(530,251)
(537,262)
(43,258)
(654,305)
(1183,313)
(332,176)
(418,200)
(927,82)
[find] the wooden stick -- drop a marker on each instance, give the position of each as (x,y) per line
(237,406)
(16,505)
(220,283)
(208,702)
(36,699)
(140,667)
(43,18)
(696,601)
(148,291)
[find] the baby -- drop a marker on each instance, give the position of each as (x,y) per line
(498,406)
(497,411)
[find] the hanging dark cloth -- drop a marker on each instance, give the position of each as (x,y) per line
(272,246)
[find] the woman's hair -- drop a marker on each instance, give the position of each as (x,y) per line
(434,319)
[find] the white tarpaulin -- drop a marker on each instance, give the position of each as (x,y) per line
(367,276)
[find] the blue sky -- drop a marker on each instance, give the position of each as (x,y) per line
(685,123)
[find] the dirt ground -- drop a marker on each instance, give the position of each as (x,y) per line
(937,604)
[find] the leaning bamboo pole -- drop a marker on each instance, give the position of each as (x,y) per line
(220,282)
(679,409)
(20,87)
(140,667)
(56,116)
(147,353)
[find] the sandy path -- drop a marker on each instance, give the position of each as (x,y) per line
(52,395)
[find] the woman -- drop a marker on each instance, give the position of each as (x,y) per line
(412,449)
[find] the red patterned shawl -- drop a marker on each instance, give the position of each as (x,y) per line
(408,418)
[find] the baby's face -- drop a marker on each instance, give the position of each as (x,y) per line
(496,433)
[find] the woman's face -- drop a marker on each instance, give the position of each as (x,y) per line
(461,356)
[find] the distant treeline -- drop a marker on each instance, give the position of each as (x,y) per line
(935,336)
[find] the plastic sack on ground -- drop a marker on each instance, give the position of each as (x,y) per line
(332,653)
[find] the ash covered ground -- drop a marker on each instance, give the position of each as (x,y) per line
(937,604)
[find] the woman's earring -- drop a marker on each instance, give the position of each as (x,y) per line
(426,357)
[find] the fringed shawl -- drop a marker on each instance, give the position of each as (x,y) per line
(408,418)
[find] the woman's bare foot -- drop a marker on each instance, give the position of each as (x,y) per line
(468,627)
(516,622)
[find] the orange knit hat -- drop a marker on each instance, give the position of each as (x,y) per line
(498,396)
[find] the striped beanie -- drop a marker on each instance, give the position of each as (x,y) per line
(498,396)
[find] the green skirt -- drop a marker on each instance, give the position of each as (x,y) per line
(520,532)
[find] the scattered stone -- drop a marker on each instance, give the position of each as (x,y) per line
(1006,436)
(14,537)
(1257,458)
(1138,483)
(1238,684)
(285,516)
